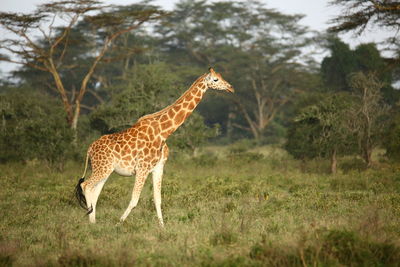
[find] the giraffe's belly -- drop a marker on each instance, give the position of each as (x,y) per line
(123,170)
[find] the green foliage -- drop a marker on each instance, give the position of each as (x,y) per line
(205,160)
(368,113)
(391,140)
(301,140)
(257,61)
(146,89)
(193,134)
(320,128)
(33,127)
(259,50)
(242,145)
(240,152)
(341,122)
(359,15)
(336,69)
(93,28)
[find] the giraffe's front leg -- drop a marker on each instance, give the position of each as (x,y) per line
(157,180)
(137,189)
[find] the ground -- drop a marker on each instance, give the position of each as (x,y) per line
(220,209)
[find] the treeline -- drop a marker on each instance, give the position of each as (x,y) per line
(111,65)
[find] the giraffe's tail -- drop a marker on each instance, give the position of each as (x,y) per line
(78,188)
(79,194)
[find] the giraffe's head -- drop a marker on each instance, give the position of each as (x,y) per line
(215,81)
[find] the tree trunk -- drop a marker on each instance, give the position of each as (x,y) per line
(61,90)
(77,111)
(75,119)
(333,162)
(368,156)
(229,126)
(303,165)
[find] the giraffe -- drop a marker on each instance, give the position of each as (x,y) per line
(141,149)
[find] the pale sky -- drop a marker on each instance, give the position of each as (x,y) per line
(317,12)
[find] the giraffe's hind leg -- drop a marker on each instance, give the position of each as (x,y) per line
(141,176)
(92,188)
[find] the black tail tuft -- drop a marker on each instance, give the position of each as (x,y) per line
(79,194)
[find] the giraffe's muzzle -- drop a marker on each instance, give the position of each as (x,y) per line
(230,89)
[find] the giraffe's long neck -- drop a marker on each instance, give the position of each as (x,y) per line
(173,116)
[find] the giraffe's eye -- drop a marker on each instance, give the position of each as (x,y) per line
(215,79)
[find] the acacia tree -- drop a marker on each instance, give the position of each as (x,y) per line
(48,52)
(358,15)
(367,113)
(256,48)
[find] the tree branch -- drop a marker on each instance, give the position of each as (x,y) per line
(241,127)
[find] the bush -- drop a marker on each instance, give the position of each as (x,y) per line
(242,145)
(239,152)
(205,160)
(193,134)
(147,89)
(391,140)
(33,126)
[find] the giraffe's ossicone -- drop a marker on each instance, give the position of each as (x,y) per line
(141,149)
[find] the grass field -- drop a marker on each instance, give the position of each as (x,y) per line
(240,210)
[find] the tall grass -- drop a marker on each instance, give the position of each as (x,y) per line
(255,209)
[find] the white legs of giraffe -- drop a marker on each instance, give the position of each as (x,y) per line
(157,179)
(92,195)
(137,189)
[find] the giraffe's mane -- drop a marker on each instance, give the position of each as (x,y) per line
(152,115)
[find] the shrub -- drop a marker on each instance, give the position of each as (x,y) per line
(391,138)
(193,134)
(33,127)
(205,160)
(242,145)
(246,157)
